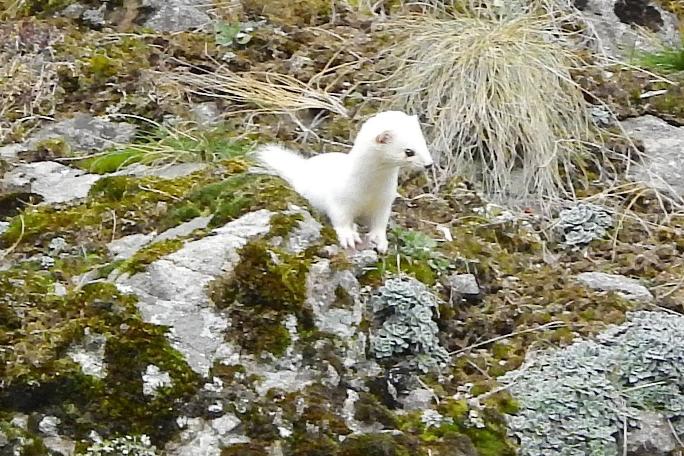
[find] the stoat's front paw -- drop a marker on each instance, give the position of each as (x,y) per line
(348,238)
(379,241)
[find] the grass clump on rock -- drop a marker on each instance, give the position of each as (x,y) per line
(498,95)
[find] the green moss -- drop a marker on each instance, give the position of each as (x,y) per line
(47,149)
(112,161)
(245,449)
(312,445)
(490,440)
(265,286)
(112,201)
(100,63)
(39,376)
(666,61)
(369,410)
(378,445)
(164,146)
(27,443)
(113,188)
(283,224)
(149,254)
(233,197)
(14,9)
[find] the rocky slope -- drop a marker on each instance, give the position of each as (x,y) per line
(158,297)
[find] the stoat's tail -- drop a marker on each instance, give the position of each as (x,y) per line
(283,162)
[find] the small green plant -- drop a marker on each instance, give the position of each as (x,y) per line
(668,60)
(227,34)
(170,145)
(417,247)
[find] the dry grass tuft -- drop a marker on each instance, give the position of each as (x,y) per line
(253,92)
(497,94)
(28,87)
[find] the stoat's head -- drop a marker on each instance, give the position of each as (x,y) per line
(395,138)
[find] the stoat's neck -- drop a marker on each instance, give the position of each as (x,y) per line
(369,169)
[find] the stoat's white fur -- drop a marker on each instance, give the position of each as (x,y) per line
(360,185)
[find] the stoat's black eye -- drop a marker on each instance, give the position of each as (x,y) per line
(409,152)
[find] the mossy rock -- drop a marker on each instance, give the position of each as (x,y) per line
(40,376)
(291,12)
(266,286)
(111,201)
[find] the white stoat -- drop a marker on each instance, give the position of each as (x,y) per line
(360,185)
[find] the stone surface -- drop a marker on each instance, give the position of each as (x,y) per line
(153,379)
(172,290)
(418,399)
(616,23)
(664,144)
(53,181)
(90,354)
(184,229)
(85,133)
(206,114)
(125,247)
(626,287)
(171,171)
(465,284)
(322,283)
(176,15)
(652,438)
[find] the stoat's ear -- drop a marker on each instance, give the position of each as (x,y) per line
(384,138)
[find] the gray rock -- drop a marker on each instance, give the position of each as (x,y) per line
(184,229)
(171,171)
(90,353)
(11,151)
(57,444)
(48,425)
(418,399)
(321,285)
(172,290)
(626,287)
(125,247)
(20,420)
(225,424)
(153,379)
(616,24)
(653,437)
(95,17)
(53,181)
(465,284)
(198,438)
(3,439)
(73,11)
(176,15)
(307,232)
(60,446)
(206,114)
(664,161)
(85,133)
(60,290)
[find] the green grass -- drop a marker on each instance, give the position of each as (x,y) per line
(166,145)
(668,60)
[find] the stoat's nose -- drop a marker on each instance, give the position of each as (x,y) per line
(428,167)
